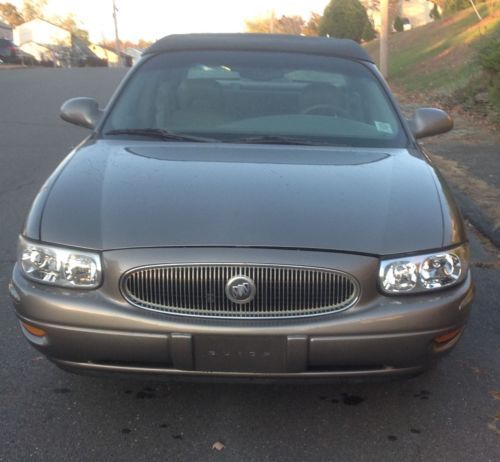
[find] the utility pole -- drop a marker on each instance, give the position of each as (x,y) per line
(117,40)
(384,35)
(271,22)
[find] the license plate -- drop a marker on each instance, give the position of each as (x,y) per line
(227,353)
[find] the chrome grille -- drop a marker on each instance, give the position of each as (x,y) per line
(199,290)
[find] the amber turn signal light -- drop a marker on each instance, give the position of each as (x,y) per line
(448,336)
(37,332)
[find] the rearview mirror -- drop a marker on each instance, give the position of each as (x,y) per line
(84,112)
(428,121)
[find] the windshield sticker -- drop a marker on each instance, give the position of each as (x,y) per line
(383,127)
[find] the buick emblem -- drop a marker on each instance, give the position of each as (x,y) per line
(240,289)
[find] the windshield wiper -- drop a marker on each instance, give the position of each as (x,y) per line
(161,134)
(275,139)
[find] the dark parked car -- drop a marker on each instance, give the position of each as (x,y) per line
(9,53)
(246,205)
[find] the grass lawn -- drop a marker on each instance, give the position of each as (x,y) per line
(441,57)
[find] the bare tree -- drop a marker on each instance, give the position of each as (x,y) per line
(33,9)
(10,14)
(284,25)
(312,25)
(71,24)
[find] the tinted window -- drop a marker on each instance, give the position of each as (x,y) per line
(233,95)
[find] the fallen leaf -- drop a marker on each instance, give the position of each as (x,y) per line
(478,370)
(494,425)
(495,395)
(218,446)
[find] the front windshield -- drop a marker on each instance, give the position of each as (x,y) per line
(241,96)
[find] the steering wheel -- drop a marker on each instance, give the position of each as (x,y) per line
(325,109)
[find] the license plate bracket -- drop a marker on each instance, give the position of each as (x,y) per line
(233,353)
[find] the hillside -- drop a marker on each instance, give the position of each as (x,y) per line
(440,59)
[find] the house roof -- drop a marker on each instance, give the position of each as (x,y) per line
(108,50)
(38,20)
(342,48)
(131,51)
(82,46)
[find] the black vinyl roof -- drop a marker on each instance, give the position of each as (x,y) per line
(342,48)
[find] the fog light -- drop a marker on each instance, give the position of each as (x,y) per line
(445,338)
(37,332)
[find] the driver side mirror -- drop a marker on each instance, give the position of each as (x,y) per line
(84,112)
(428,121)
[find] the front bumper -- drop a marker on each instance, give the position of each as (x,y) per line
(98,331)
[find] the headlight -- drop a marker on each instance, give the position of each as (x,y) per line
(58,266)
(422,273)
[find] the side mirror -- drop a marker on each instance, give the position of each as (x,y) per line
(428,121)
(84,112)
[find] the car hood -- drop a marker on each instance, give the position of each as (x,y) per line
(114,195)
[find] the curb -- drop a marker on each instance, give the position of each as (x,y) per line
(9,67)
(477,217)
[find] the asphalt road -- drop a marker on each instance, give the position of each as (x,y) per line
(46,414)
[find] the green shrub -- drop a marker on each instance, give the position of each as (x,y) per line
(495,92)
(456,5)
(489,55)
(398,24)
(489,58)
(368,32)
(435,15)
(452,6)
(345,19)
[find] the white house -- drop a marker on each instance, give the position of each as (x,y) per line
(5,31)
(134,54)
(416,11)
(50,43)
(105,53)
(42,32)
(42,53)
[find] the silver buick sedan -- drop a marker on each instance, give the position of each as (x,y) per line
(249,206)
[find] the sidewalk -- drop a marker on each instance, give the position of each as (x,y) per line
(469,159)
